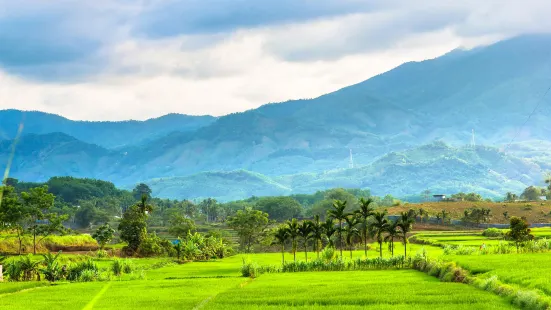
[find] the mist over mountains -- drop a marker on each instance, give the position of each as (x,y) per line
(409,129)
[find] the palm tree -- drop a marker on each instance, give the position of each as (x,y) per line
(317,233)
(364,212)
(282,235)
(329,230)
(351,231)
(405,222)
(378,227)
(304,231)
(392,232)
(338,214)
(292,231)
(144,206)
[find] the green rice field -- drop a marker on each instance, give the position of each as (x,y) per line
(218,285)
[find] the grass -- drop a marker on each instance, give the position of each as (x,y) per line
(354,290)
(525,270)
(218,285)
(84,242)
(336,290)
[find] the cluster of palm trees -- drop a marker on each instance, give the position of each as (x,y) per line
(359,225)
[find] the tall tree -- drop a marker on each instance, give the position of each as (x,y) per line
(338,213)
(40,221)
(392,232)
(317,233)
(351,231)
(405,223)
(304,231)
(181,226)
(250,226)
(12,214)
(140,190)
(519,231)
(292,231)
(281,236)
(144,206)
(378,227)
(103,235)
(133,228)
(329,230)
(364,213)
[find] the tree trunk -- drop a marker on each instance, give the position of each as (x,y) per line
(305,251)
(381,249)
(340,236)
(405,248)
(34,242)
(365,244)
(283,253)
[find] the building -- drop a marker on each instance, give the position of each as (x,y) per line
(439,197)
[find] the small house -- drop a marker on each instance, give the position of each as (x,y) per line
(439,197)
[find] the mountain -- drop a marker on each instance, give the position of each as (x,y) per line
(494,94)
(492,90)
(106,134)
(40,157)
(224,186)
(436,166)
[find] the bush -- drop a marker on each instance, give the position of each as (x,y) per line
(88,267)
(249,269)
(328,253)
(492,233)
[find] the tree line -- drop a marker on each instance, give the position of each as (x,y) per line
(343,227)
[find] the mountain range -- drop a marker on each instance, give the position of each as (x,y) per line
(387,126)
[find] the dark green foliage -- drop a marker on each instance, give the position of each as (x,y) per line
(492,232)
(133,228)
(532,193)
(338,213)
(84,271)
(279,208)
(250,226)
(396,262)
(181,226)
(141,190)
(281,235)
(378,227)
(476,215)
(519,231)
(467,197)
(52,270)
(103,235)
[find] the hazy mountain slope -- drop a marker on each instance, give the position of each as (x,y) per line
(491,90)
(224,186)
(106,134)
(436,166)
(39,157)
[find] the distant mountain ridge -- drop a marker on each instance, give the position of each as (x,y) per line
(491,90)
(106,134)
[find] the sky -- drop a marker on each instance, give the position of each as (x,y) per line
(139,59)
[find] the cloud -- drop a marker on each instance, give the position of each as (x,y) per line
(120,59)
(171,18)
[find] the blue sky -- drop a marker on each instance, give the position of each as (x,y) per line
(121,59)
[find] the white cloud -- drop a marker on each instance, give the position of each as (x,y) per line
(220,73)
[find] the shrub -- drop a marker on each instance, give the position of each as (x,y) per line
(102,254)
(87,275)
(492,233)
(76,270)
(328,253)
(249,269)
